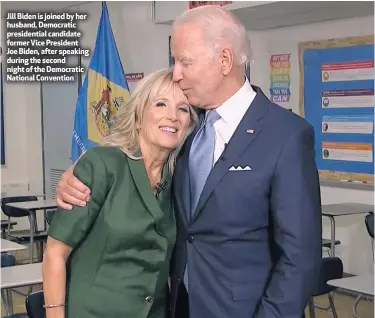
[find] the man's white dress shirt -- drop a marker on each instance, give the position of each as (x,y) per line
(231,113)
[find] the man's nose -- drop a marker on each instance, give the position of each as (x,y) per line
(177,74)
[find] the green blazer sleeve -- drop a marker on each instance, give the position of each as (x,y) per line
(71,227)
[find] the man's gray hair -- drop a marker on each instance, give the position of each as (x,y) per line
(219,27)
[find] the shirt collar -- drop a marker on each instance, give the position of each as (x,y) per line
(234,108)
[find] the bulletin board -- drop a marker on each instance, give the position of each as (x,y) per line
(337,99)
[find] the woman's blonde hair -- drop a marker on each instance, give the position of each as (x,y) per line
(124,133)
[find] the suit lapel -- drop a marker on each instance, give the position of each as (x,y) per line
(182,175)
(138,172)
(239,142)
(181,183)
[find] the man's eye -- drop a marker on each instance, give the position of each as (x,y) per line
(186,63)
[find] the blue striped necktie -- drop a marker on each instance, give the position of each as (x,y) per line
(201,157)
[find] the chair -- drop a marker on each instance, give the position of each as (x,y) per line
(327,244)
(330,268)
(6,225)
(49,216)
(28,236)
(369,221)
(6,261)
(34,305)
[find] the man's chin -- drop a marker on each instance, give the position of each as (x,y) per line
(193,101)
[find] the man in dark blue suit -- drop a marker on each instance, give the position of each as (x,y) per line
(246,186)
(249,233)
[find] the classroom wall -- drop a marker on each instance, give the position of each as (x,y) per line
(355,248)
(23,142)
(131,21)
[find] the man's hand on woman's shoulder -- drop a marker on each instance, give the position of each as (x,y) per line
(71,191)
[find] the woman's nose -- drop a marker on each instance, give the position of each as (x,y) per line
(172,113)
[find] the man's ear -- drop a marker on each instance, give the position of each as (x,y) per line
(226,61)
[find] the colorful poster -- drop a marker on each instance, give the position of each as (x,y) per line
(344,98)
(347,151)
(280,78)
(194,4)
(347,71)
(348,124)
(133,79)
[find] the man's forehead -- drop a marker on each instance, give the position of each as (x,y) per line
(178,38)
(187,32)
(185,43)
(179,46)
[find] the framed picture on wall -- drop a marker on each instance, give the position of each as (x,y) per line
(2,112)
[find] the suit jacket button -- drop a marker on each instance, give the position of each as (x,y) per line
(190,239)
(149,299)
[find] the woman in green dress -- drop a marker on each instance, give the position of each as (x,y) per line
(111,257)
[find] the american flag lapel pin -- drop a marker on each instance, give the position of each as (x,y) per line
(250,131)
